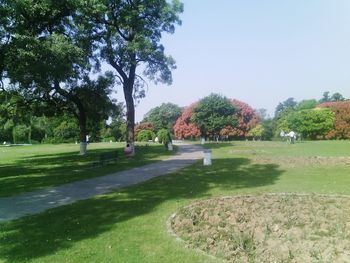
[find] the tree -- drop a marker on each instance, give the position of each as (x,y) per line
(212,114)
(288,104)
(310,123)
(6,18)
(341,110)
(145,136)
(257,132)
(183,128)
(144,126)
(50,60)
(164,136)
(247,118)
(163,116)
(306,104)
(269,126)
(337,97)
(262,114)
(129,34)
(326,97)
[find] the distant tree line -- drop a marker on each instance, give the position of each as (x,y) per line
(217,117)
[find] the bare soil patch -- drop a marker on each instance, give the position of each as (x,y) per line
(292,162)
(268,228)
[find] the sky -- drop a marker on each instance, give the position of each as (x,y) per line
(258,51)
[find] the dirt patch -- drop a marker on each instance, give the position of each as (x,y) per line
(292,162)
(268,228)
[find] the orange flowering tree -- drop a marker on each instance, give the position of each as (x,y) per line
(341,110)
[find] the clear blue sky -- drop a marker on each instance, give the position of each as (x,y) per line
(258,51)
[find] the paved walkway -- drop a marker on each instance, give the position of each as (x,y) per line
(38,201)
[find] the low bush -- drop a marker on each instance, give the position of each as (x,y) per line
(145,136)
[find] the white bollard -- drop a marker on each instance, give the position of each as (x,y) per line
(170,146)
(83,147)
(202,140)
(207,157)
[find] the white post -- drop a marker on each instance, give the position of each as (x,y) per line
(83,146)
(207,157)
(170,146)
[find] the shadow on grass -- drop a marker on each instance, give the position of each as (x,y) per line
(40,171)
(57,229)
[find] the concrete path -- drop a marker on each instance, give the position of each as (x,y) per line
(38,201)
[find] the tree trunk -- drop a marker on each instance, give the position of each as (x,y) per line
(82,130)
(130,114)
(80,114)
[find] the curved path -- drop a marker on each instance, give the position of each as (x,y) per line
(38,201)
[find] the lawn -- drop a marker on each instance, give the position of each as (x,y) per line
(28,168)
(131,225)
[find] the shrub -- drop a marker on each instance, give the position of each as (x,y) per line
(164,136)
(145,136)
(66,132)
(143,126)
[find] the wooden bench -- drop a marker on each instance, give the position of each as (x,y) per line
(108,157)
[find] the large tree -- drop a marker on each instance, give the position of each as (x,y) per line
(341,110)
(213,113)
(184,128)
(163,116)
(287,105)
(129,34)
(50,59)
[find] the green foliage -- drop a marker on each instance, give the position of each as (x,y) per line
(287,105)
(121,216)
(257,132)
(145,136)
(129,34)
(310,123)
(164,136)
(66,132)
(269,126)
(306,104)
(335,97)
(213,113)
(163,116)
(20,134)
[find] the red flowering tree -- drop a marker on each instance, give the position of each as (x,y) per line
(246,116)
(183,128)
(341,111)
(143,126)
(247,120)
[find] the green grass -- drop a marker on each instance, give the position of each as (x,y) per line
(28,168)
(130,225)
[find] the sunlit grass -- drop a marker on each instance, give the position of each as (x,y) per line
(130,225)
(27,168)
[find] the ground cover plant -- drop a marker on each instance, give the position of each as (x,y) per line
(131,225)
(28,168)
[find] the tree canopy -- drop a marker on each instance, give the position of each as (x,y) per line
(129,34)
(50,51)
(213,113)
(163,116)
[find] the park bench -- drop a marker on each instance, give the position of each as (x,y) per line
(108,157)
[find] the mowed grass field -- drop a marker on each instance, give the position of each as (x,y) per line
(29,168)
(131,225)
